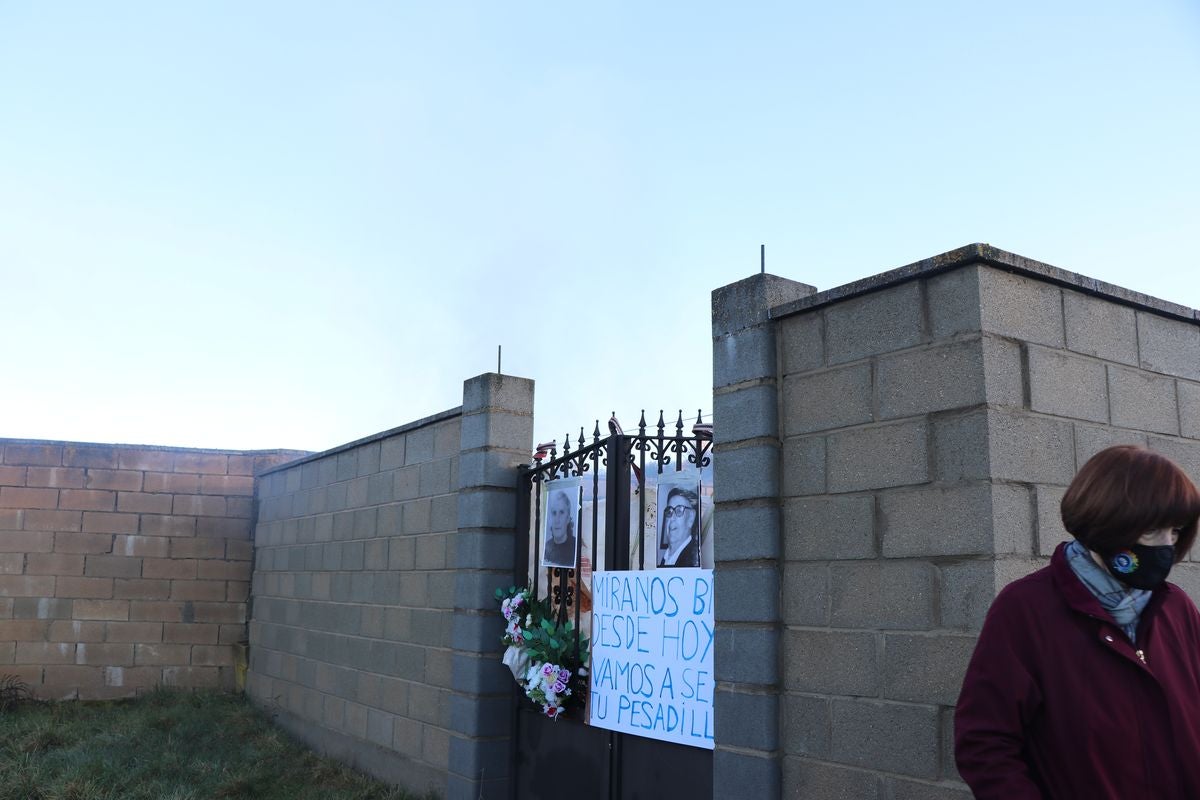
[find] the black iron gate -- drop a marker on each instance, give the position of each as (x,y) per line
(566,757)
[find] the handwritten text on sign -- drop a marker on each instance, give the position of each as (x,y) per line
(652,654)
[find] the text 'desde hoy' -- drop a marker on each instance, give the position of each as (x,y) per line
(652,654)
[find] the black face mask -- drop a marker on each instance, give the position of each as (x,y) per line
(1141,566)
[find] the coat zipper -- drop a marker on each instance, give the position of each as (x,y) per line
(1141,654)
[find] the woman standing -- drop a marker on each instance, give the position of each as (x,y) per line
(1085,682)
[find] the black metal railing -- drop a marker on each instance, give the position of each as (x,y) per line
(623,458)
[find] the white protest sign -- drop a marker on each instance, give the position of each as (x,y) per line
(652,654)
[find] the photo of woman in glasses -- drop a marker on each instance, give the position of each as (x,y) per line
(678,526)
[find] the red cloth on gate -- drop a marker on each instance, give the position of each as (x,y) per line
(1057,705)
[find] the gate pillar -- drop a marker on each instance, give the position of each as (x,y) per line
(497,436)
(746,761)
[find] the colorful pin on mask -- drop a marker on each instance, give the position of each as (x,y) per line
(1124,562)
(1141,566)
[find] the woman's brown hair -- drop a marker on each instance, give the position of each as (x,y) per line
(1125,491)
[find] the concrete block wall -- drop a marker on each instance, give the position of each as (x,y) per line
(1100,370)
(374,636)
(352,599)
(891,524)
(929,419)
(122,567)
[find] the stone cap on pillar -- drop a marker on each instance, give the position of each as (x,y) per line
(495,391)
(747,302)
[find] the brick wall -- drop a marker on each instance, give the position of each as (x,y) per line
(928,421)
(122,568)
(374,635)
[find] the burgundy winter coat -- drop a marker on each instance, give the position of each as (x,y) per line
(1058,705)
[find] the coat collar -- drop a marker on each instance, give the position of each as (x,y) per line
(1079,598)
(1071,589)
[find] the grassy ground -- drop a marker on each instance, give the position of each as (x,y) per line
(165,746)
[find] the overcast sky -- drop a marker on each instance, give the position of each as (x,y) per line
(260,225)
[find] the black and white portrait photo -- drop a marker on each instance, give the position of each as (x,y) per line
(560,516)
(678,524)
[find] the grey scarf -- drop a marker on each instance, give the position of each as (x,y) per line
(1123,603)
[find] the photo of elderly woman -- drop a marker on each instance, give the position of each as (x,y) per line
(678,525)
(559,534)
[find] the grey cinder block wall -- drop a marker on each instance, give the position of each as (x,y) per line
(124,567)
(928,420)
(375,564)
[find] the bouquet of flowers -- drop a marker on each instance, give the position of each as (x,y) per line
(517,615)
(548,660)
